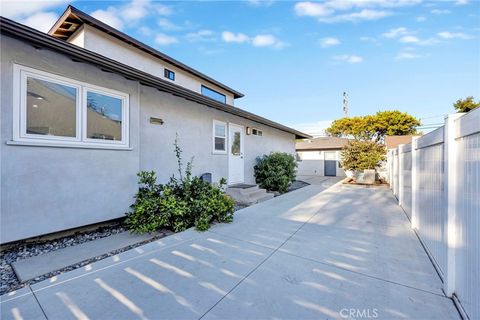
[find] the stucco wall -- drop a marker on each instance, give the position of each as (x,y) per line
(312,163)
(194,125)
(48,189)
(111,47)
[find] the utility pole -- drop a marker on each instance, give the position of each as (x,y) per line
(345,103)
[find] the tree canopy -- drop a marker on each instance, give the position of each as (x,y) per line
(465,105)
(375,127)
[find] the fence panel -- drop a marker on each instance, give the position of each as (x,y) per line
(432,213)
(406,172)
(440,190)
(467,258)
(395,181)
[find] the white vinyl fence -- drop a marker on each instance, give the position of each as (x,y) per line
(436,180)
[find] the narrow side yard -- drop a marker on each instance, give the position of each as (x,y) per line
(321,251)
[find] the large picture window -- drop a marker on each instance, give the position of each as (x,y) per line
(55,110)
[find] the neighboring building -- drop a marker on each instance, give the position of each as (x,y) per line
(320,156)
(85,107)
(391,142)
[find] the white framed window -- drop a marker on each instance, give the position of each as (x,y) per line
(54,110)
(219,137)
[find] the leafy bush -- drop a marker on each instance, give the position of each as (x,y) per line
(360,155)
(179,204)
(275,171)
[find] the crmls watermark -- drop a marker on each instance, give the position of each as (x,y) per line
(353,313)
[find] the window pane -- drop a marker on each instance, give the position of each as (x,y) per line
(220,144)
(104,117)
(236,144)
(219,130)
(213,94)
(51,108)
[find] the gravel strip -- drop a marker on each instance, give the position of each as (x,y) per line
(297,184)
(24,250)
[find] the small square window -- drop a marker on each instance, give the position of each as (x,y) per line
(169,74)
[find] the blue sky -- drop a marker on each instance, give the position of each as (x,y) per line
(293,60)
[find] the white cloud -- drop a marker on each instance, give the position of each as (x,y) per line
(348,58)
(165,40)
(453,35)
(166,24)
(462,2)
(349,10)
(42,21)
(268,40)
(263,40)
(409,39)
(258,3)
(260,40)
(408,54)
(365,14)
(394,33)
(421,19)
(228,36)
(109,16)
(21,9)
(135,10)
(201,35)
(131,12)
(163,9)
(312,9)
(329,42)
(440,11)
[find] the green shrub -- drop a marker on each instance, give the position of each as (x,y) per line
(360,155)
(276,171)
(179,204)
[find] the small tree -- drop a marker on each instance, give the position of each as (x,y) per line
(360,155)
(466,105)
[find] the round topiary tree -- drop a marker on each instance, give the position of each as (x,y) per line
(276,171)
(360,155)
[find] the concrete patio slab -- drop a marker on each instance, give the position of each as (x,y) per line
(20,304)
(33,267)
(182,282)
(313,253)
(287,287)
(270,223)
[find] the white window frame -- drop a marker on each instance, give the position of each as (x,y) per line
(215,151)
(20,135)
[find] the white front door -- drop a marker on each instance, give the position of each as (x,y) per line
(235,154)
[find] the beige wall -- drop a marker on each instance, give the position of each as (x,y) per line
(104,44)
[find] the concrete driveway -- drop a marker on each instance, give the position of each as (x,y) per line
(320,252)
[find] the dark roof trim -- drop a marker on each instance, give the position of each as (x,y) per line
(42,40)
(82,17)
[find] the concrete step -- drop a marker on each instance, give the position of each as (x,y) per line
(249,195)
(33,267)
(262,197)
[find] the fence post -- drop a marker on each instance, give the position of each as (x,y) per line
(414,219)
(400,175)
(450,189)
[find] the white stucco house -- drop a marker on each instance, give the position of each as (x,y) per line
(85,107)
(320,156)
